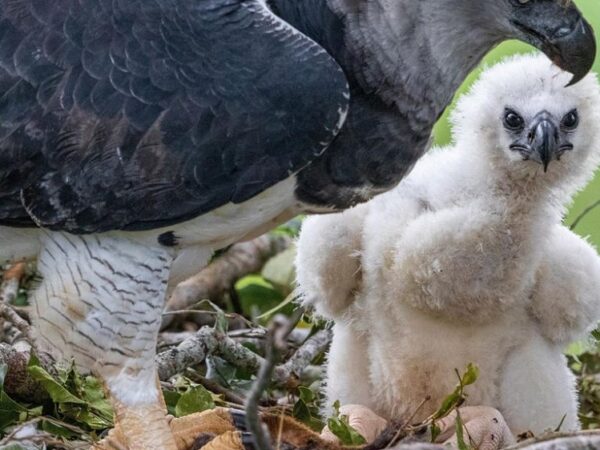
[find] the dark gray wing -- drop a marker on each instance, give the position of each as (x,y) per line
(136,114)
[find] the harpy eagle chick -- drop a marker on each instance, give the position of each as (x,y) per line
(136,137)
(467,260)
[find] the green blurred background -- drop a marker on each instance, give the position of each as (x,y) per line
(590,224)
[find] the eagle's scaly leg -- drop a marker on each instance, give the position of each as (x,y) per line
(100,303)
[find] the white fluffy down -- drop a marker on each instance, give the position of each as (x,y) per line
(466,261)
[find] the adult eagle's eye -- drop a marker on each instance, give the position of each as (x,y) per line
(570,121)
(513,121)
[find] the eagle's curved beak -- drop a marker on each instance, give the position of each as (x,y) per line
(575,51)
(560,32)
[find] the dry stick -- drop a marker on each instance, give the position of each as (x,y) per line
(212,386)
(260,434)
(561,441)
(216,279)
(279,330)
(313,346)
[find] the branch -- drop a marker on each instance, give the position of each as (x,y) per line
(209,341)
(279,330)
(561,441)
(312,347)
(217,278)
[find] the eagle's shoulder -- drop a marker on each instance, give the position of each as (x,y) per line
(136,114)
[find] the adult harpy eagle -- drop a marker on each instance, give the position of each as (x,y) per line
(132,130)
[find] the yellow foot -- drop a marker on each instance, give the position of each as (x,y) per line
(224,429)
(221,429)
(140,428)
(150,434)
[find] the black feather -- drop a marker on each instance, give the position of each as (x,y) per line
(131,114)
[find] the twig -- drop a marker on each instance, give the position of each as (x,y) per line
(312,347)
(217,312)
(228,395)
(276,345)
(584,213)
(216,279)
(406,424)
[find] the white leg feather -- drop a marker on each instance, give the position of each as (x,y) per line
(100,303)
(348,369)
(538,389)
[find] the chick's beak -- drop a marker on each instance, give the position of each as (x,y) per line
(543,138)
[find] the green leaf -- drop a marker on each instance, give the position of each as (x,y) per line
(257,295)
(171,399)
(306,394)
(195,399)
(83,415)
(280,270)
(336,408)
(342,429)
(57,392)
(221,322)
(344,432)
(11,412)
(470,376)
(448,404)
(301,411)
(78,398)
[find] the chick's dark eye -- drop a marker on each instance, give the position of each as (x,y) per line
(513,121)
(570,121)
